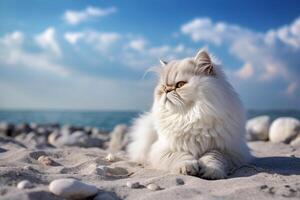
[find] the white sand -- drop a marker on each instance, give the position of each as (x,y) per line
(274,175)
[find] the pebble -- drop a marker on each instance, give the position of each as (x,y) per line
(45,160)
(110,157)
(71,188)
(27,167)
(284,129)
(258,128)
(179,181)
(25,184)
(133,184)
(102,170)
(153,187)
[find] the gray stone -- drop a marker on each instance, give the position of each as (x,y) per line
(284,129)
(25,184)
(258,128)
(72,189)
(153,187)
(133,184)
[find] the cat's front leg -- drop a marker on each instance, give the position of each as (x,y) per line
(214,165)
(161,157)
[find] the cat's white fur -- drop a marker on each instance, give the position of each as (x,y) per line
(197,129)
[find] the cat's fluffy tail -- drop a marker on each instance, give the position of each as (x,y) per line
(142,135)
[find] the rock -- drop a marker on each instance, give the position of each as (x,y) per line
(27,167)
(22,128)
(133,184)
(110,171)
(25,184)
(258,128)
(110,157)
(284,129)
(105,196)
(118,140)
(53,137)
(101,170)
(179,181)
(153,187)
(72,189)
(45,160)
(7,129)
(33,125)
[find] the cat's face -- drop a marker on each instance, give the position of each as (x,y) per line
(179,81)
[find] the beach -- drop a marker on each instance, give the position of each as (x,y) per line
(273,174)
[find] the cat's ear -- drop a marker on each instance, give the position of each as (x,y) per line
(162,62)
(203,62)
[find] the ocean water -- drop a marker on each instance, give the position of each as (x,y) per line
(104,120)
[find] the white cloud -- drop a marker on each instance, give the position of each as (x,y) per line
(203,29)
(137,44)
(75,17)
(267,57)
(288,34)
(102,41)
(47,41)
(12,53)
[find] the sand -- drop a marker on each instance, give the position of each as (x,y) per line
(274,174)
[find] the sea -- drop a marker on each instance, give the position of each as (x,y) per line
(104,120)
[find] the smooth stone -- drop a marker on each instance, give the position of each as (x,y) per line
(7,129)
(153,187)
(45,160)
(71,188)
(27,167)
(133,184)
(25,184)
(179,181)
(110,157)
(53,137)
(258,128)
(284,129)
(101,170)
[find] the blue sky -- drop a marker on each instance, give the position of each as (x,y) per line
(94,54)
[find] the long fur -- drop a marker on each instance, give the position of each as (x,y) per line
(198,129)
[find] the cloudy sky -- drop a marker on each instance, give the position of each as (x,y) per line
(94,54)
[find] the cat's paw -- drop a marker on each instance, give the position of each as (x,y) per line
(190,167)
(211,172)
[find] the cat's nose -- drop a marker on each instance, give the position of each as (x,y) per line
(168,89)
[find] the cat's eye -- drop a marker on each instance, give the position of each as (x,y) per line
(180,84)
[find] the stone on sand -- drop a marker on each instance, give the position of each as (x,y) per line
(133,184)
(284,129)
(258,128)
(72,189)
(25,184)
(45,160)
(179,181)
(153,187)
(110,157)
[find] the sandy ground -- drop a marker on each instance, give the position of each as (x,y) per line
(274,174)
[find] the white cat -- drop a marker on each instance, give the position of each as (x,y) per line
(197,122)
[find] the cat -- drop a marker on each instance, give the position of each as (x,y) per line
(197,122)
